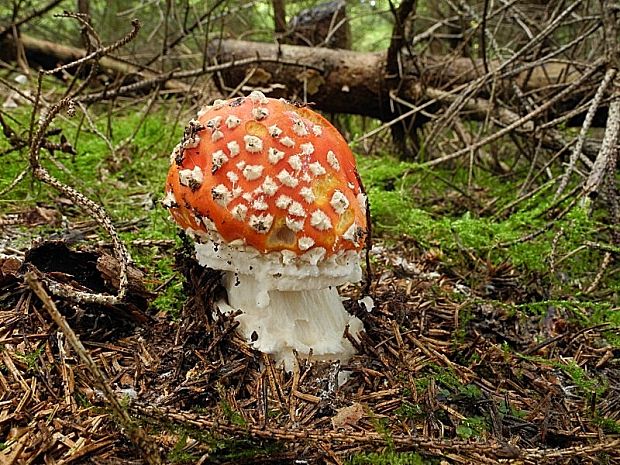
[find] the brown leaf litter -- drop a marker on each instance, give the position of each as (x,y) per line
(439,372)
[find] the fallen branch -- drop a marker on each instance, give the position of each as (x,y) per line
(37,132)
(336,81)
(521,121)
(581,139)
(134,432)
(96,210)
(67,54)
(355,82)
(490,449)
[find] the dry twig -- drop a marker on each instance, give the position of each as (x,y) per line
(134,432)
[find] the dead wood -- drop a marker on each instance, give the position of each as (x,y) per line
(348,82)
(50,55)
(92,272)
(323,25)
(357,82)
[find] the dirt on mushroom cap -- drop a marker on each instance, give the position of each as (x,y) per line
(275,175)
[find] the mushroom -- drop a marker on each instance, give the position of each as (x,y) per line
(270,193)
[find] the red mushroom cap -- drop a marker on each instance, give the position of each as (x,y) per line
(270,174)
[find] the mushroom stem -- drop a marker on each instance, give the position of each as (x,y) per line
(278,322)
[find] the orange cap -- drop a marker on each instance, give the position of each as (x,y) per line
(268,174)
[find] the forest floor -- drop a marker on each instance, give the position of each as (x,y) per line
(467,356)
(437,376)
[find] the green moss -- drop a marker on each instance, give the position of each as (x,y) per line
(388,458)
(506,408)
(427,205)
(583,312)
(473,427)
(611,317)
(408,410)
(221,449)
(382,427)
(229,412)
(178,454)
(127,183)
(170,300)
(31,359)
(421,383)
(608,425)
(585,384)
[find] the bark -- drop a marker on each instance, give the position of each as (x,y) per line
(349,82)
(83,7)
(344,81)
(279,14)
(323,25)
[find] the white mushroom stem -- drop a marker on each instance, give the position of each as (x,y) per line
(277,322)
(288,302)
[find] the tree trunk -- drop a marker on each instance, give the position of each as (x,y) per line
(337,81)
(83,7)
(279,14)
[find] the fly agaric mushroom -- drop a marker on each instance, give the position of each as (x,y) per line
(271,195)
